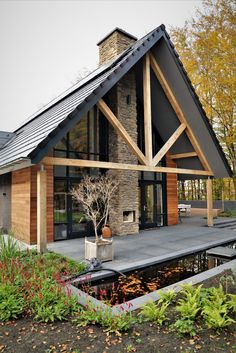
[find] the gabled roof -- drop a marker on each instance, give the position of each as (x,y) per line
(38,136)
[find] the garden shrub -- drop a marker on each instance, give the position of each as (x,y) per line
(11,302)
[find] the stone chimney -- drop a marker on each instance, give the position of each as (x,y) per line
(124,215)
(113,44)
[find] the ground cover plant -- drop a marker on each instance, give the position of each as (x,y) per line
(34,283)
(39,314)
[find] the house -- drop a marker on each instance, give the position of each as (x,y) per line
(138,117)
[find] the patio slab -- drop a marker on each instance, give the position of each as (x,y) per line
(155,245)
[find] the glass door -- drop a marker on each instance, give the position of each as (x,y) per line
(69,218)
(151,210)
(77,225)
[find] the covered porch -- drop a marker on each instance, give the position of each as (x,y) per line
(151,246)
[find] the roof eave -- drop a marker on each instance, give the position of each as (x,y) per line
(15,165)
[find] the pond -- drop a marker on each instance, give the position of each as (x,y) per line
(119,289)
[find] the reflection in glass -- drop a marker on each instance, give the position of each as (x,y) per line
(78,137)
(159,207)
(60,202)
(149,203)
(79,219)
(60,231)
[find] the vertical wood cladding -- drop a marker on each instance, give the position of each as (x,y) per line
(24,204)
(172,193)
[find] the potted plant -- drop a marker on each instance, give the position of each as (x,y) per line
(95,195)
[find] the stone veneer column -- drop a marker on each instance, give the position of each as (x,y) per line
(127,195)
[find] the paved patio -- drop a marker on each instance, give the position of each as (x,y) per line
(156,245)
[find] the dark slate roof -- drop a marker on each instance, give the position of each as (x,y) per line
(5,137)
(37,136)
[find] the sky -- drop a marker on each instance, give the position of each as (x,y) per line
(47,45)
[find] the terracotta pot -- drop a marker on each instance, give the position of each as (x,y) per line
(106,231)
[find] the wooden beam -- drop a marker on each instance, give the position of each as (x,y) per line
(174,137)
(209,203)
(183,155)
(157,71)
(121,131)
(147,108)
(109,165)
(41,211)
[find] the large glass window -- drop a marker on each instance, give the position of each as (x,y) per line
(86,140)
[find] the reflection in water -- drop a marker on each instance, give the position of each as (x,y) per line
(117,290)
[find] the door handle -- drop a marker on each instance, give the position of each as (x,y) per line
(144,208)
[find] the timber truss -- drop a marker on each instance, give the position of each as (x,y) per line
(148,162)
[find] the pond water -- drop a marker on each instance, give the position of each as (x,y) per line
(119,289)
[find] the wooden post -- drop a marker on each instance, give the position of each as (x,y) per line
(209,202)
(41,210)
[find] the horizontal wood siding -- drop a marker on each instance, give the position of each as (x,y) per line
(20,200)
(172,194)
(24,204)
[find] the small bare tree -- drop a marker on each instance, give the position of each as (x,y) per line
(95,195)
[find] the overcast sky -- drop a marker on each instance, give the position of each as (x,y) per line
(45,45)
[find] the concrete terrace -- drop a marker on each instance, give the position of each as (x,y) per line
(156,245)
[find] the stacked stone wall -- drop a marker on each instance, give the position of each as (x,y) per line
(113,46)
(127,196)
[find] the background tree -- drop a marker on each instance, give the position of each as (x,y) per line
(206,45)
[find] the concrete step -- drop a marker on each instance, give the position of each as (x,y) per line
(221,251)
(225,224)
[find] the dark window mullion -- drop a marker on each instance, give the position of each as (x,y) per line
(88,135)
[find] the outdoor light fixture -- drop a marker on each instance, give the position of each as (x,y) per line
(128,99)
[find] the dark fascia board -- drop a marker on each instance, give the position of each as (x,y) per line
(193,93)
(117,29)
(126,63)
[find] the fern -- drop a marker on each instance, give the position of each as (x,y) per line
(232,302)
(167,296)
(217,318)
(154,313)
